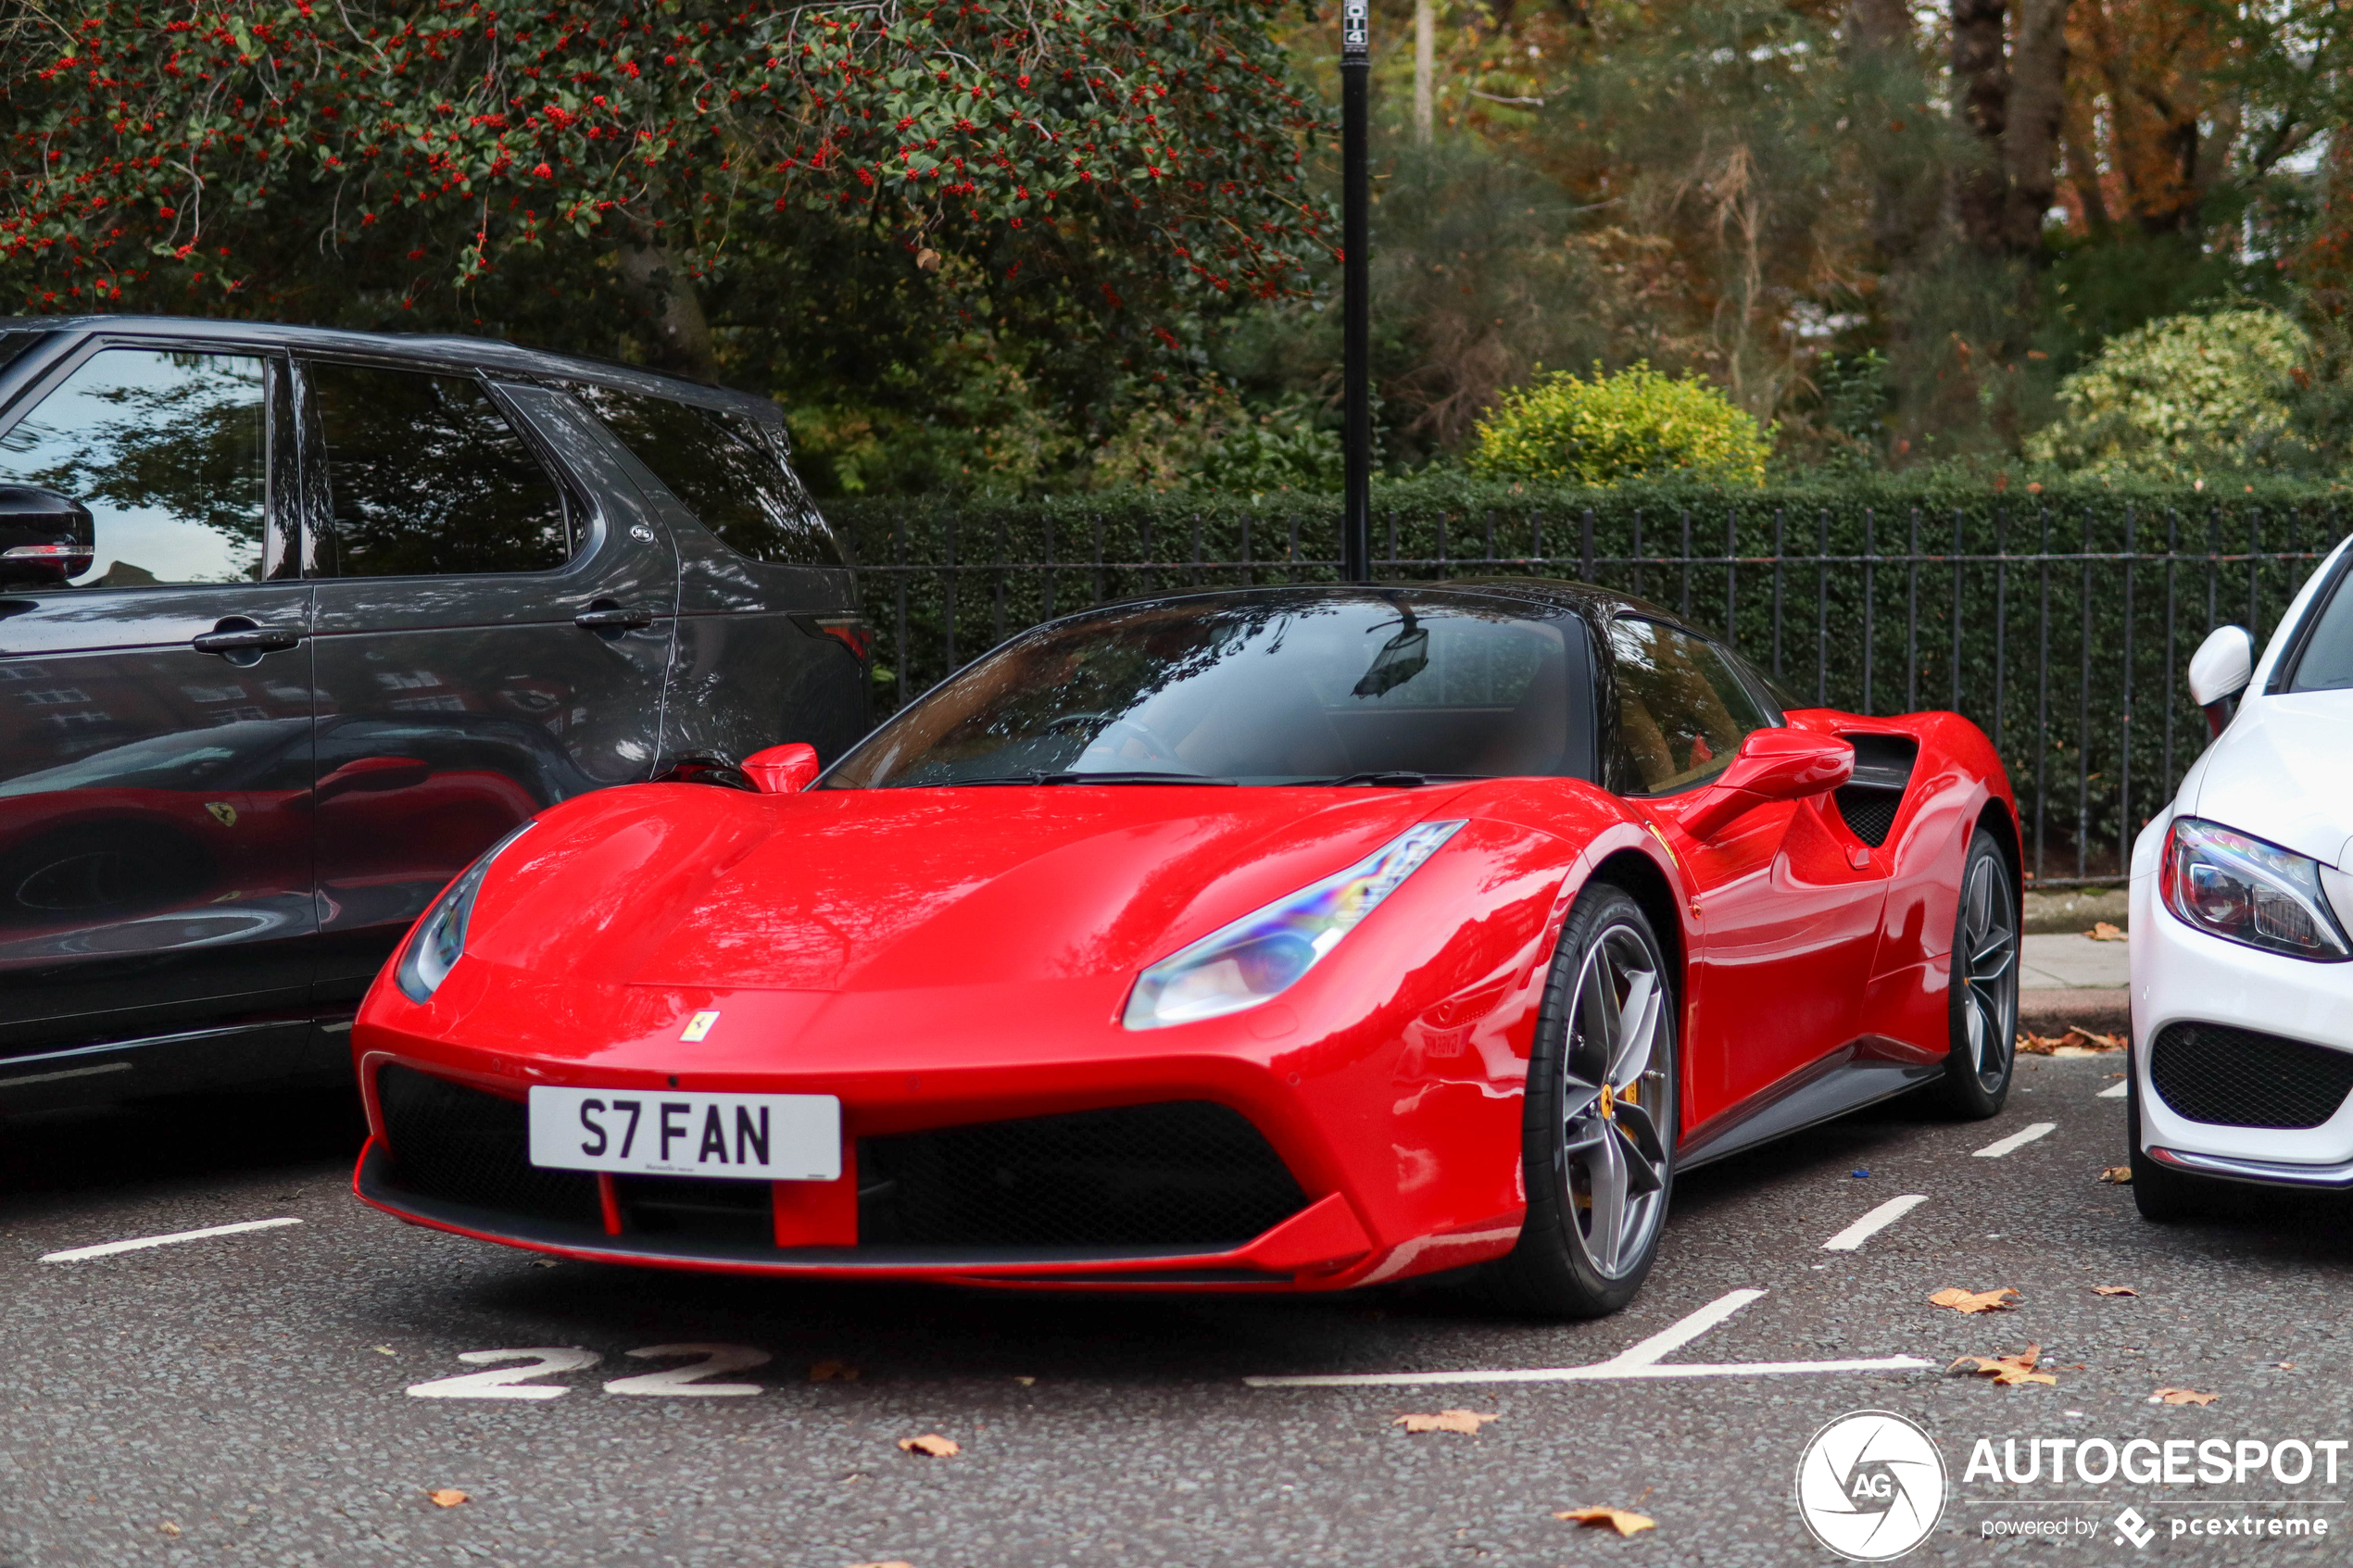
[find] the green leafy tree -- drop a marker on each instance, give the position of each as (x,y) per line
(1102,167)
(1636,424)
(2183,394)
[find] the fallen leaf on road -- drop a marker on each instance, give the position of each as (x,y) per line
(2102,932)
(386,1351)
(1972,1300)
(2121,1175)
(1617,1519)
(447,1496)
(833,1371)
(2284,1366)
(1025,1382)
(1444,1420)
(2182,1396)
(2114,1290)
(2005,1371)
(932,1443)
(2077,1041)
(168,1528)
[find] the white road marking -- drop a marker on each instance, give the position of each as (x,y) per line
(2114,1091)
(2017,1140)
(1873,1223)
(1635,1363)
(109,1249)
(1677,1335)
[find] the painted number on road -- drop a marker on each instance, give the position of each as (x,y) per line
(546,1360)
(502,1382)
(716,1359)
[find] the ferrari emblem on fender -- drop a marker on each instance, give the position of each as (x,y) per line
(222,812)
(699,1026)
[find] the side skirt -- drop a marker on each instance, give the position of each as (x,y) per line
(1850,1078)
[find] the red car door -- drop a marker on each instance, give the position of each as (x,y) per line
(1788,912)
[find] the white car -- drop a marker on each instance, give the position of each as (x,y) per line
(2242,924)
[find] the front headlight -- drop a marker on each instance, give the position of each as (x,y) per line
(440,937)
(1260,954)
(2244,890)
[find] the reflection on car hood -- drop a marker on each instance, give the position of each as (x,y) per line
(885,889)
(2279,773)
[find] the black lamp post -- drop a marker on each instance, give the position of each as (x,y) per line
(1356,518)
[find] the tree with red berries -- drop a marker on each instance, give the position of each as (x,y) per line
(1122,160)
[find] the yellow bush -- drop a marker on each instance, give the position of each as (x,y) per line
(1636,424)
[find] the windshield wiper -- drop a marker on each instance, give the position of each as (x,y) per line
(1394,778)
(1113,777)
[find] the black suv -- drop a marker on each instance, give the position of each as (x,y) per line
(294,623)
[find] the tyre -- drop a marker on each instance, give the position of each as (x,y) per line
(2162,1194)
(1984,990)
(1598,1137)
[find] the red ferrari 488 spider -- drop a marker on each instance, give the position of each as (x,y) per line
(1289,938)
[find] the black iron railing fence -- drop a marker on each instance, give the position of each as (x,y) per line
(2063,632)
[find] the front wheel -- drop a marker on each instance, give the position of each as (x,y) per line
(1984,993)
(1598,1136)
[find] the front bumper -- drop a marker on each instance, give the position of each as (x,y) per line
(2184,978)
(1183,1192)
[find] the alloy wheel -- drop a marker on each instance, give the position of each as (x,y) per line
(1617,1089)
(1988,962)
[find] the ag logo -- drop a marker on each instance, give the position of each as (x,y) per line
(1871,1485)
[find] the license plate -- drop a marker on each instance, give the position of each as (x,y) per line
(750,1137)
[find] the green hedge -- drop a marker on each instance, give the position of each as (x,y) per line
(1871,631)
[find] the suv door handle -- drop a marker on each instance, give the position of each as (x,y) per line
(615,618)
(246,639)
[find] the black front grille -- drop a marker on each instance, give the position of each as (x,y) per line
(462,1145)
(2237,1078)
(1186,1175)
(1870,810)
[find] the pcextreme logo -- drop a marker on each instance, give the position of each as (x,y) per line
(1871,1485)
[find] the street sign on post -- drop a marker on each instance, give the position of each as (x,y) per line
(1356,517)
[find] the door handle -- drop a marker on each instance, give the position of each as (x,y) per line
(246,639)
(615,618)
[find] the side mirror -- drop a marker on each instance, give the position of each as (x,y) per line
(45,538)
(1771,765)
(372,773)
(783,770)
(2221,669)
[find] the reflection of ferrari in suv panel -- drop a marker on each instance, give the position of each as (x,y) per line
(294,623)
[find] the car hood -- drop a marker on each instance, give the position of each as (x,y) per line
(848,890)
(2279,773)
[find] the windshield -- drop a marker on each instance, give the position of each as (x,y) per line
(1284,687)
(2326,663)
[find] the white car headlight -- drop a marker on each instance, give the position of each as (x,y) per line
(2244,890)
(440,937)
(1262,954)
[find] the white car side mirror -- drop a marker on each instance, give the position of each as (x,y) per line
(2221,669)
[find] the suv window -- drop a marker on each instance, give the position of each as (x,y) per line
(170,453)
(425,477)
(724,470)
(1683,708)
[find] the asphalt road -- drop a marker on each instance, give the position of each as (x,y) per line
(245,1398)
